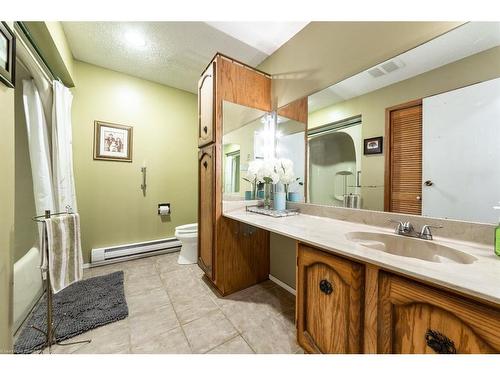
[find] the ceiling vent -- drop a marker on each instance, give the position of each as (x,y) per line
(389,66)
(385,68)
(376,72)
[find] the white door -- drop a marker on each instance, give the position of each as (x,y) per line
(461,153)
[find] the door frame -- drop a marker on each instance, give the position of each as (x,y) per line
(387,148)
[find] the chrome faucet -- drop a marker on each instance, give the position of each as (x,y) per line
(406,229)
(425,233)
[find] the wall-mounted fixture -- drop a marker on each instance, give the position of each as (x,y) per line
(163,209)
(143,185)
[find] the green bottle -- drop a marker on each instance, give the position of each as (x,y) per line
(497,235)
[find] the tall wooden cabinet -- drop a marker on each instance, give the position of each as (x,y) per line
(233,255)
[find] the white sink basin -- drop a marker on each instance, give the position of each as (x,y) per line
(410,247)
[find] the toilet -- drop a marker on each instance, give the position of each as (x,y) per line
(188,235)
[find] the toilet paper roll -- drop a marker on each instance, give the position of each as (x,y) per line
(164,210)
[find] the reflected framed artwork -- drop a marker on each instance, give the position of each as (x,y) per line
(112,141)
(373,145)
(7,55)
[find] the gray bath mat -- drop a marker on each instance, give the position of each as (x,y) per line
(82,306)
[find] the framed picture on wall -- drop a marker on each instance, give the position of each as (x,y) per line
(373,145)
(112,141)
(7,55)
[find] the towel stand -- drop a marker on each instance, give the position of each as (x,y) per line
(50,338)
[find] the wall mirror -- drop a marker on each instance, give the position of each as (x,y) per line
(417,134)
(242,142)
(250,134)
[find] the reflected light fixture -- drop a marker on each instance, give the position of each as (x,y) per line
(135,39)
(269,135)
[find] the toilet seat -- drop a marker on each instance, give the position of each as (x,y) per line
(188,235)
(186,229)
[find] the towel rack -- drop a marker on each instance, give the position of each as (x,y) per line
(50,338)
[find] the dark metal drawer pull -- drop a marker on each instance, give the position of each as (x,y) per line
(205,164)
(325,286)
(205,129)
(439,342)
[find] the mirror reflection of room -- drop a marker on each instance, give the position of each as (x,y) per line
(431,105)
(252,136)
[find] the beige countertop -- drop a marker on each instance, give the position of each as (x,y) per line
(479,279)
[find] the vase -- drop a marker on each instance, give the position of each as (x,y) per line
(249,195)
(294,196)
(267,195)
(279,201)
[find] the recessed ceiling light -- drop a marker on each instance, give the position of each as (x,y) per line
(135,39)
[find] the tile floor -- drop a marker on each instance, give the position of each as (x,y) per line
(172,309)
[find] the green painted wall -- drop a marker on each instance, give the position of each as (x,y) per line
(111,204)
(7,194)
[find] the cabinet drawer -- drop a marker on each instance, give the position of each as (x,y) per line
(206,106)
(329,302)
(418,319)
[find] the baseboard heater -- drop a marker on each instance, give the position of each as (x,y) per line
(119,253)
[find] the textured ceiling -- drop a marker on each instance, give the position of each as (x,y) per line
(175,53)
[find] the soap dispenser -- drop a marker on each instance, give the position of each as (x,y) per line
(497,234)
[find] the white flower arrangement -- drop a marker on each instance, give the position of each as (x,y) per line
(252,175)
(271,171)
(286,173)
(268,172)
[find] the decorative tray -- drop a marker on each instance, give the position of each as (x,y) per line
(271,212)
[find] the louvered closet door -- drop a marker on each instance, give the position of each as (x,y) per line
(406,160)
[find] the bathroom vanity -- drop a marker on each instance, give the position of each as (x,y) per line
(372,148)
(355,299)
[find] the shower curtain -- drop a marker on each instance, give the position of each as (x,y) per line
(39,149)
(53,181)
(47,109)
(62,152)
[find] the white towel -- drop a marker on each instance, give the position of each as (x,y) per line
(65,261)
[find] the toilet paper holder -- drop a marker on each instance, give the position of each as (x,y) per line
(161,205)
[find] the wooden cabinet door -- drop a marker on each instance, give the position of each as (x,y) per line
(417,319)
(206,106)
(206,209)
(329,300)
(245,255)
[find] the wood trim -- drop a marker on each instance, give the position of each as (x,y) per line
(306,165)
(370,310)
(387,148)
(217,54)
(296,110)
